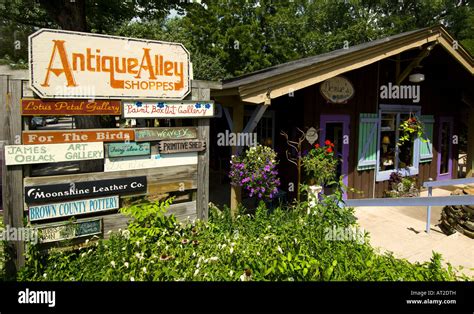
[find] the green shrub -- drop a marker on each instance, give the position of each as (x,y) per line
(286,244)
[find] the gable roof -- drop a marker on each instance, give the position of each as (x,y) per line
(275,81)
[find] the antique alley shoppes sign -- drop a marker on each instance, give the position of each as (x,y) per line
(73,208)
(39,154)
(182,109)
(66,191)
(65,64)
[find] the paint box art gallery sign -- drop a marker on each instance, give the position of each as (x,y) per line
(65,191)
(74,208)
(38,154)
(65,64)
(184,109)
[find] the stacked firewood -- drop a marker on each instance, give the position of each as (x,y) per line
(458,218)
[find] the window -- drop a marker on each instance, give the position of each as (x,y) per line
(265,127)
(390,156)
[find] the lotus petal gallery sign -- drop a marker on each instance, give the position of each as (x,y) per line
(65,64)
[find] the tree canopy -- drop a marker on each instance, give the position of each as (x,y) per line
(234,37)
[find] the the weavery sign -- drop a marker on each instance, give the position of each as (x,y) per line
(171,133)
(168,109)
(66,191)
(65,64)
(40,154)
(74,208)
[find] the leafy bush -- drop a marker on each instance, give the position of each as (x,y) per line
(283,245)
(320,163)
(256,172)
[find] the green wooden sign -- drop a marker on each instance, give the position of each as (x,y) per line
(69,230)
(128,149)
(163,133)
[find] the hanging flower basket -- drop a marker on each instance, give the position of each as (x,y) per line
(410,129)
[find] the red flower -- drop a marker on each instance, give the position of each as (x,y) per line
(329,150)
(332,144)
(328,142)
(317,145)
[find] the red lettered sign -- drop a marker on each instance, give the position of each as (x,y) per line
(38,107)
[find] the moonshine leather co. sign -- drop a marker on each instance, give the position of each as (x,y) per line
(71,230)
(66,64)
(38,107)
(181,146)
(76,136)
(183,109)
(159,134)
(128,149)
(337,90)
(38,154)
(74,208)
(66,191)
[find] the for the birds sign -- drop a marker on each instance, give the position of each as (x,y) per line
(65,64)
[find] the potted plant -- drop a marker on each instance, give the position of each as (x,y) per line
(255,171)
(409,129)
(320,166)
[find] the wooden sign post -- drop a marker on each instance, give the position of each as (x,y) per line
(181,109)
(73,208)
(38,107)
(38,154)
(77,136)
(128,149)
(181,146)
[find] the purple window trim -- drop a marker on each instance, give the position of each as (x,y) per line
(345,120)
(449,174)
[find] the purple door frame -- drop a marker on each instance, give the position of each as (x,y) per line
(345,120)
(448,175)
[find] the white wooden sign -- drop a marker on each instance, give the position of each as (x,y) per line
(168,109)
(39,154)
(337,90)
(74,208)
(153,161)
(65,64)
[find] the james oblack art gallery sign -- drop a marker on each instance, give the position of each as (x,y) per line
(57,192)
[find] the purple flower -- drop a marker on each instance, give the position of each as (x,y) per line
(267,168)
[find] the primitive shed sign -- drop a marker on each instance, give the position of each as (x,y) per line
(65,64)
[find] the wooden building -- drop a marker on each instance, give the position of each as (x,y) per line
(364,125)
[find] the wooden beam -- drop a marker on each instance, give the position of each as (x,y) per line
(12,176)
(414,63)
(227,117)
(238,121)
(202,197)
(257,114)
(470,145)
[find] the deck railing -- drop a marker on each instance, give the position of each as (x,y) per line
(428,201)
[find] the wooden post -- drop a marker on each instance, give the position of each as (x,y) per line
(202,200)
(470,145)
(12,175)
(201,92)
(237,123)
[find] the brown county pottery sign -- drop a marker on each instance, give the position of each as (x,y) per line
(75,136)
(337,90)
(183,109)
(73,208)
(65,64)
(181,146)
(38,107)
(38,154)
